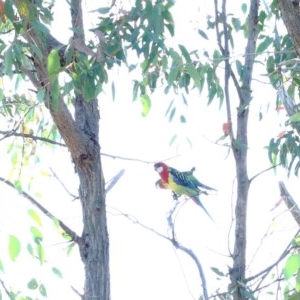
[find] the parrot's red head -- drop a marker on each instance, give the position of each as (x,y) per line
(163,170)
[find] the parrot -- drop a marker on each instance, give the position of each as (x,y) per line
(164,185)
(181,183)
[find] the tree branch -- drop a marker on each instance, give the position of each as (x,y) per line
(30,136)
(289,202)
(173,241)
(75,238)
(263,171)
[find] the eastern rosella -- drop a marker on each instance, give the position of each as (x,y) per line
(164,185)
(181,183)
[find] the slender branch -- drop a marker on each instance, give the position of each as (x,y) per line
(286,251)
(63,185)
(13,132)
(134,220)
(263,171)
(227,70)
(137,159)
(172,240)
(30,136)
(5,288)
(69,231)
(289,202)
(189,252)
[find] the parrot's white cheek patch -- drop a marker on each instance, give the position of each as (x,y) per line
(159,169)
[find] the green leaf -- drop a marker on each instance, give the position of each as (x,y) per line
(297,286)
(203,34)
(173,139)
(292,266)
(236,23)
(8,62)
(43,290)
(35,216)
(175,67)
(30,249)
(185,53)
(9,11)
(32,284)
(244,8)
(40,95)
(182,119)
(146,103)
(1,266)
(102,10)
(57,272)
(195,75)
(40,253)
(217,271)
(264,44)
(172,114)
(192,71)
(37,234)
(295,117)
(14,247)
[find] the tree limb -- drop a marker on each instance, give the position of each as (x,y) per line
(289,202)
(75,238)
(30,136)
(173,241)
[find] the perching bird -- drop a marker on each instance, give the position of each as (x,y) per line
(181,183)
(164,185)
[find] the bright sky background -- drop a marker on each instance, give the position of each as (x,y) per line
(143,266)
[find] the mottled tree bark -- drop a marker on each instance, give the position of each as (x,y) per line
(81,137)
(290,12)
(240,149)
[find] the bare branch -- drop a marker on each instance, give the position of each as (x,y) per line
(30,136)
(266,271)
(63,185)
(70,232)
(187,251)
(5,288)
(172,240)
(263,171)
(137,159)
(289,202)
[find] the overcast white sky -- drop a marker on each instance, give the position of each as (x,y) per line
(143,266)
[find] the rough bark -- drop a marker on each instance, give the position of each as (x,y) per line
(289,202)
(81,137)
(290,12)
(240,148)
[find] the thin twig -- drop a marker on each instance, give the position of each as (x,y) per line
(5,288)
(75,238)
(172,240)
(30,136)
(137,159)
(63,185)
(290,202)
(263,171)
(188,251)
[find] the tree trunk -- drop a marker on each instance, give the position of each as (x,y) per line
(290,12)
(240,148)
(81,137)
